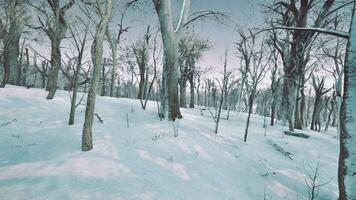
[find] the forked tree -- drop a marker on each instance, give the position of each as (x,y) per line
(53,22)
(170,37)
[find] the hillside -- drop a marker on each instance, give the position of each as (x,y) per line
(135,155)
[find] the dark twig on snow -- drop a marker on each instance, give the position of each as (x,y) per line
(7,123)
(99,118)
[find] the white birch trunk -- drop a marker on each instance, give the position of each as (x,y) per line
(347,160)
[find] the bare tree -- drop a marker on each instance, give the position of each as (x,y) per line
(96,53)
(331,110)
(141,53)
(25,69)
(104,76)
(191,49)
(11,28)
(20,63)
(318,85)
(79,45)
(295,53)
(223,89)
(43,69)
(54,24)
(336,52)
(347,156)
(275,84)
(155,74)
(114,43)
(245,55)
(170,37)
(255,73)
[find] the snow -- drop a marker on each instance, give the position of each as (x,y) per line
(41,157)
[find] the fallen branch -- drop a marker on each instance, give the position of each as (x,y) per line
(99,118)
(280,149)
(302,135)
(7,123)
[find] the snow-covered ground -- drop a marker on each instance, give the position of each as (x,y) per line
(41,158)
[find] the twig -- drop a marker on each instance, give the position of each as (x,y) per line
(7,123)
(99,118)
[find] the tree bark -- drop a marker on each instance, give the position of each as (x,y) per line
(11,48)
(170,60)
(103,79)
(97,53)
(113,70)
(183,93)
(250,105)
(347,158)
(55,65)
(25,69)
(192,94)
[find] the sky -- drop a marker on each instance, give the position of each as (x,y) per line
(241,14)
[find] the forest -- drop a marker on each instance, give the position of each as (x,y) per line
(178,99)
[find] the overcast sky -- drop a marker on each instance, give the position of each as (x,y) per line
(244,13)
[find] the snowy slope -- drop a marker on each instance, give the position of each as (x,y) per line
(40,155)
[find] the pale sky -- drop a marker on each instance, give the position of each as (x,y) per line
(244,13)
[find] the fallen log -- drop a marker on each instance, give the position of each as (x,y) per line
(290,133)
(280,149)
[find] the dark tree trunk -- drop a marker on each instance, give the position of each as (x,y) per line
(250,105)
(192,94)
(331,112)
(273,111)
(141,86)
(10,59)
(316,113)
(25,69)
(6,64)
(103,79)
(55,66)
(182,93)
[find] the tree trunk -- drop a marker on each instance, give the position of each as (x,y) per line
(10,56)
(170,60)
(103,80)
(347,158)
(97,54)
(315,113)
(288,102)
(192,94)
(76,81)
(183,93)
(19,66)
(74,95)
(25,69)
(331,112)
(250,105)
(297,120)
(273,110)
(141,86)
(300,105)
(113,70)
(240,92)
(55,65)
(6,64)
